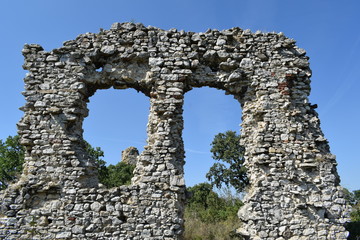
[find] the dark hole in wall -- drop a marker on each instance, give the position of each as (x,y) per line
(122,217)
(326,215)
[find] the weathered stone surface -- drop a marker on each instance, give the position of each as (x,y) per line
(294,192)
(130,155)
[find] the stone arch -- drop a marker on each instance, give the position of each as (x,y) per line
(119,75)
(294,191)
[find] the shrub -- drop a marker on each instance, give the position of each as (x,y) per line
(210,216)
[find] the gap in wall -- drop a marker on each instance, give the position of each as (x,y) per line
(207,112)
(117,120)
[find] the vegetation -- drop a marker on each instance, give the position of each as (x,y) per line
(117,175)
(96,154)
(353,227)
(210,216)
(11,160)
(226,148)
(112,175)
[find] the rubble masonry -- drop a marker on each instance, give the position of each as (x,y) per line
(294,192)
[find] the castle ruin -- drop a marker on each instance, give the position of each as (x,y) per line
(294,191)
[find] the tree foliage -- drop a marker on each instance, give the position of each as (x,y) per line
(112,175)
(11,160)
(355,214)
(230,169)
(209,206)
(200,195)
(353,198)
(210,216)
(96,155)
(117,175)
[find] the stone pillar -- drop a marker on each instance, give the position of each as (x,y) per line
(159,171)
(51,129)
(294,192)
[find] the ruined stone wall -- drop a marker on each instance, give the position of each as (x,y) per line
(294,192)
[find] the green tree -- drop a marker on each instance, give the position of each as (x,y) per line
(110,176)
(209,206)
(199,195)
(226,148)
(119,174)
(353,198)
(11,160)
(209,215)
(355,213)
(96,154)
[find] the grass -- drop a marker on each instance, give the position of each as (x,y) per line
(196,229)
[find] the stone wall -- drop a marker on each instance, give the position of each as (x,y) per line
(294,192)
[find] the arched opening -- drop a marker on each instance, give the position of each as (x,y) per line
(117,120)
(208,112)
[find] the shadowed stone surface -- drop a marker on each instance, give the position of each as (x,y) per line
(294,192)
(130,155)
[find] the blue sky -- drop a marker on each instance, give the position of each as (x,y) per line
(327,29)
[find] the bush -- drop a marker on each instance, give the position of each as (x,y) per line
(353,198)
(210,216)
(117,175)
(196,229)
(11,160)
